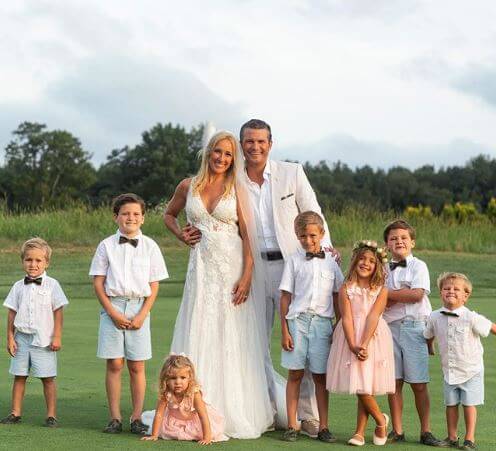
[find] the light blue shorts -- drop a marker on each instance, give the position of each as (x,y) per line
(114,343)
(469,393)
(312,342)
(42,362)
(411,357)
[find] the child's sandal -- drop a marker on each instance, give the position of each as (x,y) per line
(356,440)
(382,440)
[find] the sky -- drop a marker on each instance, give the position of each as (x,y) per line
(382,83)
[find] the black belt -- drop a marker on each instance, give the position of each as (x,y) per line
(272,255)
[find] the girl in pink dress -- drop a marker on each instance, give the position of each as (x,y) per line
(361,360)
(181,413)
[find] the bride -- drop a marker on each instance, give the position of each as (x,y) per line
(216,326)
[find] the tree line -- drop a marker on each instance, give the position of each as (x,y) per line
(51,169)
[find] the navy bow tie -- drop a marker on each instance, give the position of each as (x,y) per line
(394,265)
(28,280)
(444,312)
(132,241)
(310,255)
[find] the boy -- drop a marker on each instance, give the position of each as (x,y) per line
(406,314)
(34,329)
(126,270)
(458,331)
(309,287)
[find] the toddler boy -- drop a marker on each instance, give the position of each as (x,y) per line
(126,270)
(406,314)
(34,329)
(309,287)
(458,331)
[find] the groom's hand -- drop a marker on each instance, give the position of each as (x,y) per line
(335,253)
(190,235)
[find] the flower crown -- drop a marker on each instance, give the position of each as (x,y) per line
(381,252)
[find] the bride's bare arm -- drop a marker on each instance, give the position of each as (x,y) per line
(242,287)
(188,234)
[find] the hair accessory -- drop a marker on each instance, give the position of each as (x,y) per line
(381,252)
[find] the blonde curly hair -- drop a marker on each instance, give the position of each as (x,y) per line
(173,363)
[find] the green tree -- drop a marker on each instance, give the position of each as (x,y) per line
(45,168)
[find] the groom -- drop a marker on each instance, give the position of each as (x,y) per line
(278,191)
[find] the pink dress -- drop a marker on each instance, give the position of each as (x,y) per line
(347,374)
(181,421)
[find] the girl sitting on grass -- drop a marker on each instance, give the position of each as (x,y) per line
(181,413)
(361,360)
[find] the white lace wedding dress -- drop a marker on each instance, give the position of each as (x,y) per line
(222,340)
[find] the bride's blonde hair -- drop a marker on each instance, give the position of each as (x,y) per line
(203,177)
(173,363)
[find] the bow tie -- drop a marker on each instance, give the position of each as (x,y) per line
(310,255)
(28,280)
(444,312)
(394,265)
(132,241)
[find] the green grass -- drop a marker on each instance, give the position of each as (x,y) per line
(82,403)
(80,226)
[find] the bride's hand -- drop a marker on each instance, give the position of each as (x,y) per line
(241,290)
(190,235)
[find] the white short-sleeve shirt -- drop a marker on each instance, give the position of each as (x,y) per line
(34,306)
(459,342)
(128,269)
(311,283)
(414,275)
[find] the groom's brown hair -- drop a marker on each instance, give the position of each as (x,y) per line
(256,124)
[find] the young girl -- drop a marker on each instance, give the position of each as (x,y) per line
(181,413)
(361,360)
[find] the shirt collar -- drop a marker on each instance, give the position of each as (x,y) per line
(408,259)
(458,311)
(118,234)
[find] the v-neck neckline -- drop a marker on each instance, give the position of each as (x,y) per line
(210,213)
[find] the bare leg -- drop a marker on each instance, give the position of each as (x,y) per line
(362,418)
(372,408)
(452,421)
(292,395)
(396,407)
(50,392)
(18,390)
(138,386)
(470,413)
(423,405)
(113,386)
(322,396)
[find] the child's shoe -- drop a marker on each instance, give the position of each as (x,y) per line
(428,439)
(310,427)
(451,443)
(10,419)
(290,435)
(382,440)
(51,422)
(468,445)
(356,440)
(325,435)
(114,427)
(138,427)
(394,437)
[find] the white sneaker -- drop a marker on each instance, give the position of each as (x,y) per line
(310,427)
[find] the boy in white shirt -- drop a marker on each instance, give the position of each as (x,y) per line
(34,329)
(458,331)
(406,313)
(309,287)
(126,270)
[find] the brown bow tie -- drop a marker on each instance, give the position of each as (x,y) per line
(132,241)
(394,265)
(444,312)
(310,255)
(28,280)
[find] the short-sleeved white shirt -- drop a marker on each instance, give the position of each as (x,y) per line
(459,342)
(128,269)
(34,306)
(311,283)
(414,275)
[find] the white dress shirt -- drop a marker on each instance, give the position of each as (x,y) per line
(459,342)
(128,270)
(264,216)
(311,283)
(414,275)
(34,305)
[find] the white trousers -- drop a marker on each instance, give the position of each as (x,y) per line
(307,404)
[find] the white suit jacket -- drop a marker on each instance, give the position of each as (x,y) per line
(291,194)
